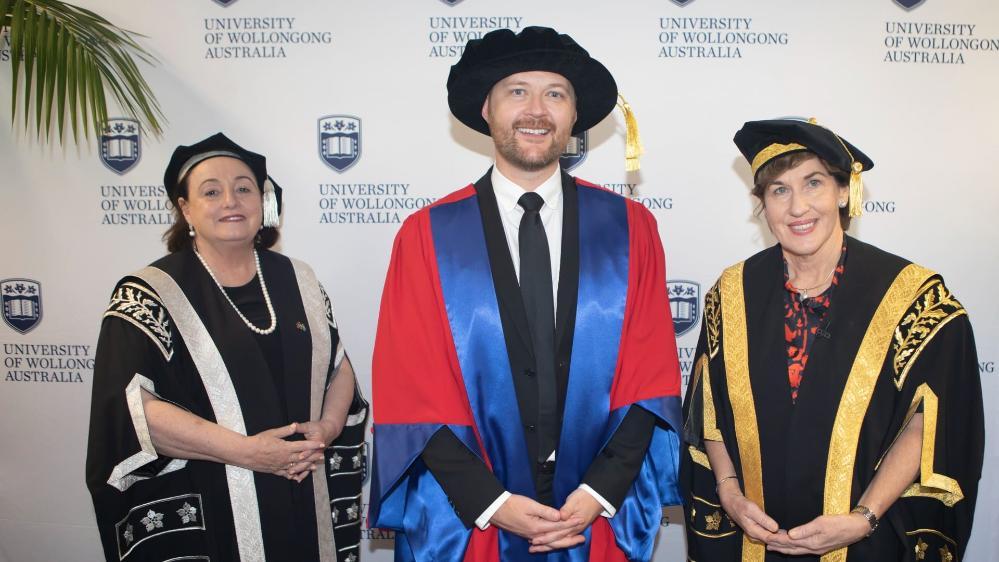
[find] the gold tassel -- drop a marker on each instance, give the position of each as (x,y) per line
(633,148)
(856,190)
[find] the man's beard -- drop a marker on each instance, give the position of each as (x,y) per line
(507,146)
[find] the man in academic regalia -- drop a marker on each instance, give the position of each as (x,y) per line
(525,374)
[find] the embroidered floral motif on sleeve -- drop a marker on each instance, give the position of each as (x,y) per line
(353,511)
(351,558)
(931,310)
(187,513)
(142,308)
(335,461)
(713,521)
(129,534)
(336,515)
(152,520)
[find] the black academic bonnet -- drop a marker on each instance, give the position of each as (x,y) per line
(500,53)
(185,158)
(762,141)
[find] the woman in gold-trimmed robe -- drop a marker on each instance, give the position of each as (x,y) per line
(835,409)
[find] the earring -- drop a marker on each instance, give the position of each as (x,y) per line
(842,205)
(190,230)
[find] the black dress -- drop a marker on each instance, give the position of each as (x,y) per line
(201,357)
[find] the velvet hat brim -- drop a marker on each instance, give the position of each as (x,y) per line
(762,141)
(185,158)
(501,53)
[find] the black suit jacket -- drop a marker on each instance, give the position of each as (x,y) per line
(469,484)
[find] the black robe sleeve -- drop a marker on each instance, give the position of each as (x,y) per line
(935,368)
(134,347)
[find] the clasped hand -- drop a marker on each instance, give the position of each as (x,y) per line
(547,528)
(269,451)
(819,536)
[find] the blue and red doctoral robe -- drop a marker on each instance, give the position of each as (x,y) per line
(440,360)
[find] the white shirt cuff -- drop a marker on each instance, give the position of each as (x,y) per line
(609,510)
(483,521)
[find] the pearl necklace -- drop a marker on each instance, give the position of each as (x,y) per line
(267,297)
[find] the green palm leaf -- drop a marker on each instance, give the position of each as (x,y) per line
(70,57)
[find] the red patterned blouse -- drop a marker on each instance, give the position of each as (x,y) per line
(803,318)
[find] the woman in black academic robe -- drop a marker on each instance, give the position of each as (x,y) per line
(835,407)
(225,420)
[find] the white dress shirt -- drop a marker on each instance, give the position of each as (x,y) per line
(508,194)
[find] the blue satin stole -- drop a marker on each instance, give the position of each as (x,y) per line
(413,503)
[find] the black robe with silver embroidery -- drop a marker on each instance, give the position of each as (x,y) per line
(150,507)
(902,323)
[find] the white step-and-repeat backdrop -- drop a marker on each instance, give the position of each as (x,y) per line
(914,83)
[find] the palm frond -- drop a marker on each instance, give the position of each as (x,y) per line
(70,57)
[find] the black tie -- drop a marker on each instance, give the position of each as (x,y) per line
(539,303)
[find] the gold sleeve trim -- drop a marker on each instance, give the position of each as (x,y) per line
(712,316)
(710,424)
(857,394)
(699,457)
(930,312)
(931,532)
(706,502)
(719,536)
(740,392)
(931,484)
(773,151)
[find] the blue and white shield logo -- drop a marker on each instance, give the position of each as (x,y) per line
(22,303)
(909,4)
(121,146)
(684,297)
(575,151)
(339,141)
(681,2)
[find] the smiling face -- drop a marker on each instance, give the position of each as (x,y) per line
(530,117)
(223,202)
(801,207)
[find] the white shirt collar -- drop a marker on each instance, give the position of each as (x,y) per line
(508,193)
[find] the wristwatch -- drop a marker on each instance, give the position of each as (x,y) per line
(872,519)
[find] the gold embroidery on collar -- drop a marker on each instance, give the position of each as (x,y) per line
(931,484)
(773,151)
(858,391)
(740,392)
(712,318)
(931,311)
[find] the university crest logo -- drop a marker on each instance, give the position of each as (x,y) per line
(575,151)
(339,141)
(684,297)
(909,4)
(121,145)
(22,304)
